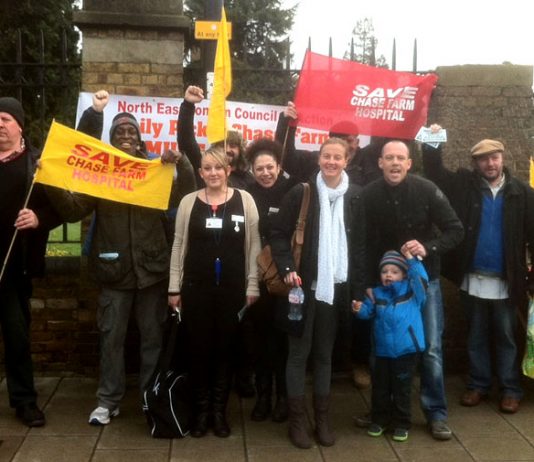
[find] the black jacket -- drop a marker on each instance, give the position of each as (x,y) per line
(283,227)
(465,189)
(30,247)
(414,209)
(268,202)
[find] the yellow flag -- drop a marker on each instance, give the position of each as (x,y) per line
(77,162)
(531,172)
(222,85)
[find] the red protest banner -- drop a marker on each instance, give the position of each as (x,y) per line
(379,101)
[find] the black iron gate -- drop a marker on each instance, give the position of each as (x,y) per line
(47,90)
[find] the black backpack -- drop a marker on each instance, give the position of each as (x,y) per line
(166,399)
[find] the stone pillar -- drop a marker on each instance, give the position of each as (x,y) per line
(133,47)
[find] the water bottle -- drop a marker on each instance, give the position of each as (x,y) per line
(296,299)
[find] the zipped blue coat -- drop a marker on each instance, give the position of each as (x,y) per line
(397,313)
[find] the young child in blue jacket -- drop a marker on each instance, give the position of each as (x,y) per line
(398,339)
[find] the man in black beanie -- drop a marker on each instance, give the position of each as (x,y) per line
(129,257)
(18,160)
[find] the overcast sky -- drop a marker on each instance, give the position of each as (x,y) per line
(448,33)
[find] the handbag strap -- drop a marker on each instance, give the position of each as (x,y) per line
(301,222)
(298,236)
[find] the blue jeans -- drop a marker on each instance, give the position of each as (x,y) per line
(432,395)
(487,319)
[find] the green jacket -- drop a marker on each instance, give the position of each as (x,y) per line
(130,245)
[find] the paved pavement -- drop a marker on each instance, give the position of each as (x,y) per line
(480,434)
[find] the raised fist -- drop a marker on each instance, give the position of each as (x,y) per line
(100,100)
(194,94)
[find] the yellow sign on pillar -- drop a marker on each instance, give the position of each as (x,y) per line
(209,30)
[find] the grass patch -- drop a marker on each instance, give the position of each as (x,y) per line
(58,246)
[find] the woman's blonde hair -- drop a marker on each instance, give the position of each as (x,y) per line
(335,140)
(217,152)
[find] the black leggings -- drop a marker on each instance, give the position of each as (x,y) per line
(210,315)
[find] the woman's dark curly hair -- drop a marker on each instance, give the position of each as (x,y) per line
(264,146)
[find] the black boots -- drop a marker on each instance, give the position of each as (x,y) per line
(202,413)
(200,425)
(280,408)
(244,382)
(298,427)
(214,409)
(220,399)
(263,405)
(324,435)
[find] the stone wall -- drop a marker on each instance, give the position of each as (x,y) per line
(474,102)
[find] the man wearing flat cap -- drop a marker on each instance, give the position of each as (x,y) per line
(18,160)
(490,267)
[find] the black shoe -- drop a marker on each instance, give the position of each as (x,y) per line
(244,387)
(200,425)
(30,415)
(262,409)
(362,420)
(220,425)
(280,409)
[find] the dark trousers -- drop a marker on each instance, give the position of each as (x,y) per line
(210,316)
(392,386)
(15,322)
(361,341)
(268,344)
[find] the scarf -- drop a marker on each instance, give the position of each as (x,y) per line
(332,255)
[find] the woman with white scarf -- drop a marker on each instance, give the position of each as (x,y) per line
(332,275)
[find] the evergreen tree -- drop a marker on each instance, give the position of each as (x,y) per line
(365,44)
(259,49)
(47,22)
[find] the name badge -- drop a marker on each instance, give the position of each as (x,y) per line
(238,218)
(214,223)
(273,210)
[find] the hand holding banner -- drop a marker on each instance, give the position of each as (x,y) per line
(77,162)
(379,101)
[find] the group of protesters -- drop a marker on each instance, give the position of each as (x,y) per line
(376,240)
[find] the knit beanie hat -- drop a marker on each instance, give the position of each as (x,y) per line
(124,118)
(392,257)
(14,108)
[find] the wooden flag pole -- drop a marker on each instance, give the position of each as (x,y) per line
(4,265)
(284,147)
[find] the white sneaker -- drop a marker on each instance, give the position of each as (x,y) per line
(102,415)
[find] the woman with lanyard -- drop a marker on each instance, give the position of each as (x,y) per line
(269,342)
(213,276)
(331,274)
